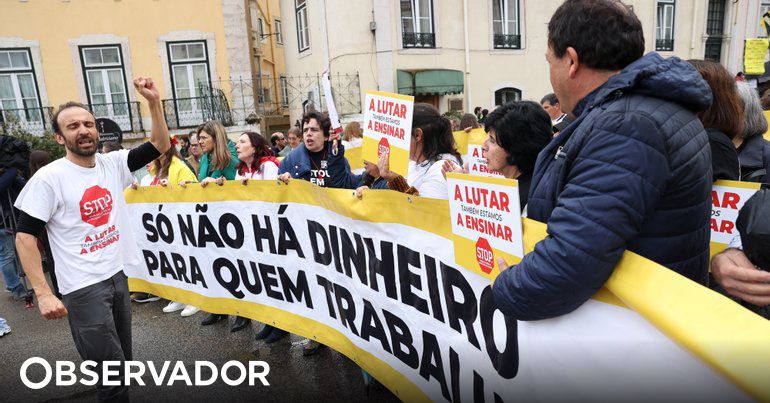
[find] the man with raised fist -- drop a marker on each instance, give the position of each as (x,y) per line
(79,201)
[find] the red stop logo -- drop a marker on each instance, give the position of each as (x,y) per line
(383,147)
(485,256)
(96,206)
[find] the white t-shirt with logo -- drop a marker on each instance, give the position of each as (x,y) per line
(86,218)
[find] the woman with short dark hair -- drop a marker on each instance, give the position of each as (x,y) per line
(518,131)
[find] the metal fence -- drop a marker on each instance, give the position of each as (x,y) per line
(253,99)
(125,114)
(191,112)
(31,120)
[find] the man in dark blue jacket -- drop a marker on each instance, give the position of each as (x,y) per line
(632,172)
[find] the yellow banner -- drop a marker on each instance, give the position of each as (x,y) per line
(271,239)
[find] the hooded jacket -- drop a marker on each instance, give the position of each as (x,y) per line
(297,163)
(632,172)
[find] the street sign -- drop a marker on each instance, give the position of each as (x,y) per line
(108,131)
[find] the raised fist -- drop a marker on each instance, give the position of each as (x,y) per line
(146,87)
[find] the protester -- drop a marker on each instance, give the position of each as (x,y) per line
(559,119)
(94,288)
(194,159)
(484,113)
(723,120)
(256,159)
(432,143)
(294,136)
(184,144)
(455,123)
(314,161)
(278,142)
(631,172)
(753,149)
(469,122)
(353,135)
(110,146)
(735,275)
(11,183)
(217,165)
(477,112)
(37,160)
(219,158)
(169,168)
(518,131)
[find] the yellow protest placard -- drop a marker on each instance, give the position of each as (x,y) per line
(727,199)
(754,56)
(388,129)
(486,221)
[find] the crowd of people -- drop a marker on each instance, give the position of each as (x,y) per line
(622,156)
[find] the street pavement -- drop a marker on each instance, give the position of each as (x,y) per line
(326,376)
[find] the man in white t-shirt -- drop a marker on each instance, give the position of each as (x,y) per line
(79,201)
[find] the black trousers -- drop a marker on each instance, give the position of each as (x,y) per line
(100,320)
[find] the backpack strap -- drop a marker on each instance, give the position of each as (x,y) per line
(756,174)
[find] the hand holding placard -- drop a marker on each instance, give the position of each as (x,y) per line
(388,129)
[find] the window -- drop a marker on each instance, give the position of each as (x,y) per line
(264,92)
(284,91)
(715,25)
(261,28)
(303,36)
(190,78)
(18,88)
(277,31)
(664,26)
(507,94)
(505,24)
(105,81)
(417,24)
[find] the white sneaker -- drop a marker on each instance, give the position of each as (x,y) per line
(189,310)
(173,306)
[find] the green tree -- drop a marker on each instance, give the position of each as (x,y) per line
(46,142)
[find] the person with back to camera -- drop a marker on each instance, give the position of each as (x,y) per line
(631,172)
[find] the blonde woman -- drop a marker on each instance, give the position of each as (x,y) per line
(218,164)
(219,156)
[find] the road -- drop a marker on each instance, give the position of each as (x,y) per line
(325,376)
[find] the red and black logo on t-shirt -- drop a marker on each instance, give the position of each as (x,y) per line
(96,206)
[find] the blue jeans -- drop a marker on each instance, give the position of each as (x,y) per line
(8,260)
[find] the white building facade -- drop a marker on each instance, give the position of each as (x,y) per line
(458,54)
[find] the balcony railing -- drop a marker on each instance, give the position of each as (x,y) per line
(31,120)
(502,41)
(191,112)
(664,45)
(419,40)
(125,114)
